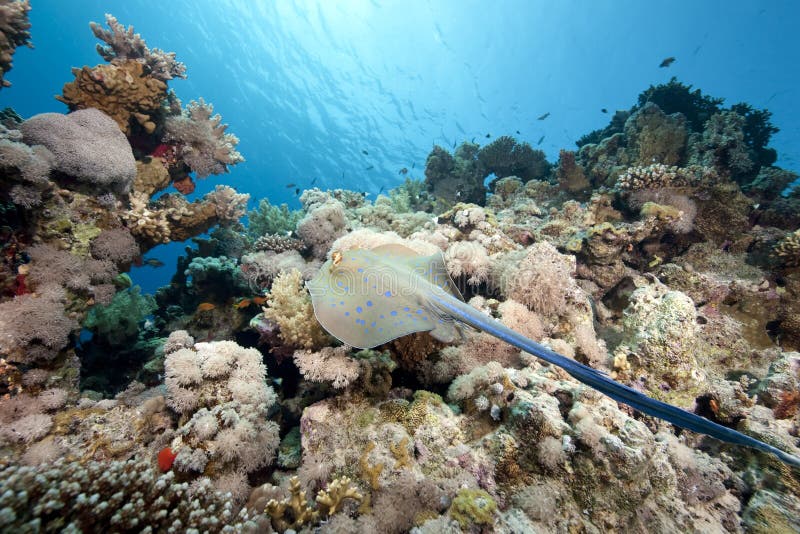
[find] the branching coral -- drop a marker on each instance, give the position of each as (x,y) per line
(122,44)
(295,511)
(201,140)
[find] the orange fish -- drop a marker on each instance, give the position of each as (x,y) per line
(242,304)
(259,301)
(205,306)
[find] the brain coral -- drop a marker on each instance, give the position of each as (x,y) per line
(87,145)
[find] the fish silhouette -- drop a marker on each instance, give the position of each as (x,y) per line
(667,62)
(366,298)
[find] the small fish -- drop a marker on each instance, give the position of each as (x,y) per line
(365,152)
(290,185)
(543,117)
(314,181)
(413,165)
(518,133)
(205,306)
(472,140)
(539,142)
(381,190)
(297,191)
(244,303)
(370,168)
(364,194)
(454,144)
(488,136)
(403,171)
(152,262)
(667,62)
(603,110)
(259,301)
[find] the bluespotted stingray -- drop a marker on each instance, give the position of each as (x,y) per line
(366,298)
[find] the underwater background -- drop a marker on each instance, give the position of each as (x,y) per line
(309,85)
(424,267)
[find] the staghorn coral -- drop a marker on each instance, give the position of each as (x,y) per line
(123,91)
(86,145)
(201,140)
(14,26)
(295,511)
(122,45)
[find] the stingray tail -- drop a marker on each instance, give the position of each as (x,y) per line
(604,384)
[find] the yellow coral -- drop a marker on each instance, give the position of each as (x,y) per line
(289,306)
(370,473)
(121,90)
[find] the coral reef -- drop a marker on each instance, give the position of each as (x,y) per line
(13,33)
(664,251)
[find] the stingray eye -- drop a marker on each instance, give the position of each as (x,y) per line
(337,258)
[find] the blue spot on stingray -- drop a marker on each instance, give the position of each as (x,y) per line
(419,311)
(358,309)
(341,302)
(373,324)
(369,303)
(382,317)
(406,309)
(366,279)
(339,284)
(393,314)
(366,330)
(425,318)
(347,314)
(387,294)
(380,329)
(360,270)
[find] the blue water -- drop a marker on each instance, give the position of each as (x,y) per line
(308,86)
